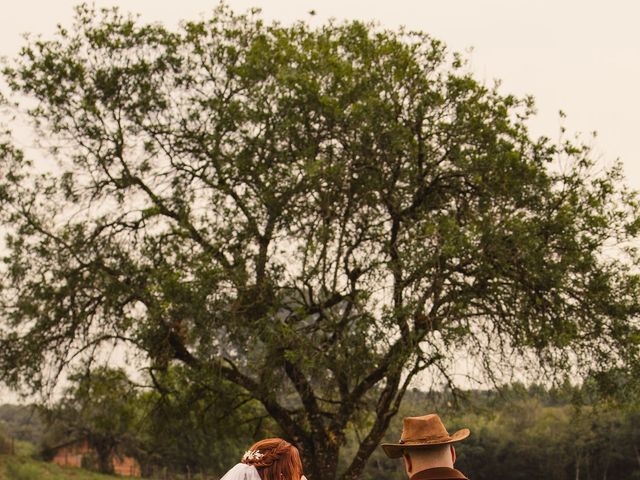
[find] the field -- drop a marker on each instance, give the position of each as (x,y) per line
(22,466)
(14,467)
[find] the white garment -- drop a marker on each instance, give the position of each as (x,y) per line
(242,471)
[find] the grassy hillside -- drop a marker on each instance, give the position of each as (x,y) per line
(13,467)
(22,466)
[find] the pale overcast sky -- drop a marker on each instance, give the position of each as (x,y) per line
(581,56)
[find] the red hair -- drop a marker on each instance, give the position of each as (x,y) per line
(279,461)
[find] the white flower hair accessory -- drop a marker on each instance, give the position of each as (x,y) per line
(251,455)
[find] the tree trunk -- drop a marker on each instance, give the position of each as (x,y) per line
(105,465)
(320,461)
(104,448)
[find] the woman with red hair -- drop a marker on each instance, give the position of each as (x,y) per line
(268,459)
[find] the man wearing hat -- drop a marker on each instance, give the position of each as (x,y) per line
(427,448)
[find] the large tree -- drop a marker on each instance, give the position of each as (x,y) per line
(313,214)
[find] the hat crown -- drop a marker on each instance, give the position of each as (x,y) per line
(425,427)
(423,432)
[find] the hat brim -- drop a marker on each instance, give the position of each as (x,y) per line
(394,450)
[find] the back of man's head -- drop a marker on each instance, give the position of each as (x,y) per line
(418,459)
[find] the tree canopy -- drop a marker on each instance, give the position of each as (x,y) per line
(315,215)
(100,407)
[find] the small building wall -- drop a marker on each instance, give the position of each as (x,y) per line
(126,466)
(71,455)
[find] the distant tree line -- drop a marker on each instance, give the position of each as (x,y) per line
(517,432)
(21,422)
(533,433)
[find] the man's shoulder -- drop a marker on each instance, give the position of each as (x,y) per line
(439,473)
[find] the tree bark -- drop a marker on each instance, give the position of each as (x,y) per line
(322,462)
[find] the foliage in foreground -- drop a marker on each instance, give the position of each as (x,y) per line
(312,215)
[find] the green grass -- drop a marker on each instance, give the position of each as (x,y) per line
(21,467)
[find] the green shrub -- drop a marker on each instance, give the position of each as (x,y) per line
(23,471)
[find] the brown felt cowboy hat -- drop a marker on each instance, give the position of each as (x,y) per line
(421,432)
